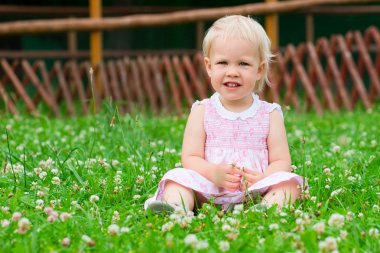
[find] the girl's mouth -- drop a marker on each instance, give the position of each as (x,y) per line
(231,84)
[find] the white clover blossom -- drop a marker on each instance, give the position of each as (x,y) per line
(88,240)
(139,179)
(65,216)
(224,246)
(336,192)
(94,198)
(202,245)
(113,229)
(274,226)
(124,230)
(191,239)
(335,148)
(23,226)
(167,226)
(336,220)
(115,217)
(5,223)
(16,216)
(373,232)
(65,242)
(115,163)
(319,227)
(5,209)
(328,245)
(343,234)
(239,208)
(56,181)
(42,175)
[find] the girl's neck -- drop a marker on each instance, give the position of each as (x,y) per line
(237,105)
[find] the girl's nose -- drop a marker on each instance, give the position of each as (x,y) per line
(232,71)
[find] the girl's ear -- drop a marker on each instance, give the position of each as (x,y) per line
(261,70)
(208,65)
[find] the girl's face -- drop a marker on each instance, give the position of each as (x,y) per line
(234,68)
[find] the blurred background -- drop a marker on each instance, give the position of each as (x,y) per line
(68,57)
(292,25)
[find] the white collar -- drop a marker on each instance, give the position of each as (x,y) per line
(226,114)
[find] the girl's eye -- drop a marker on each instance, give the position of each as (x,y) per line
(244,64)
(222,62)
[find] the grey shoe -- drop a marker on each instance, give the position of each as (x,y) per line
(159,206)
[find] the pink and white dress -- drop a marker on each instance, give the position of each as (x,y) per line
(239,138)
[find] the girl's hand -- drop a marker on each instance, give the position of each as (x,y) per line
(249,178)
(227,176)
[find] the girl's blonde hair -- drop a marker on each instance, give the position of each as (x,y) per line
(245,28)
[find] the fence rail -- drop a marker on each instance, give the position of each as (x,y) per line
(332,74)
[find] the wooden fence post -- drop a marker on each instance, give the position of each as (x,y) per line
(96,48)
(271,27)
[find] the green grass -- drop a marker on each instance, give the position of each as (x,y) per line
(122,165)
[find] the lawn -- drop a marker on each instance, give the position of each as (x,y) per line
(78,185)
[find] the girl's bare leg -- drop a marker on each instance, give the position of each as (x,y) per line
(282,194)
(179,195)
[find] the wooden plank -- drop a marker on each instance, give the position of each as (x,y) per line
(9,105)
(49,100)
(271,27)
(168,69)
(18,86)
(73,69)
(64,88)
(178,17)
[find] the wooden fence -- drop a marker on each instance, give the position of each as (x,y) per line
(332,74)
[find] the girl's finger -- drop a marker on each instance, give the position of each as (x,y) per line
(232,178)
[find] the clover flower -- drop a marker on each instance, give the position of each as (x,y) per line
(193,241)
(124,230)
(94,198)
(42,175)
(113,229)
(328,245)
(373,232)
(16,216)
(23,226)
(319,227)
(274,226)
(115,217)
(167,226)
(53,216)
(5,223)
(139,179)
(39,204)
(65,242)
(115,163)
(190,239)
(336,192)
(88,240)
(224,246)
(65,216)
(343,234)
(5,209)
(336,220)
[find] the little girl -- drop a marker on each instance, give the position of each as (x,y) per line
(234,144)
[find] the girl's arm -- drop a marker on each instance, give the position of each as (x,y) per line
(193,154)
(278,149)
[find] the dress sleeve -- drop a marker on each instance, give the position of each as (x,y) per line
(197,103)
(275,106)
